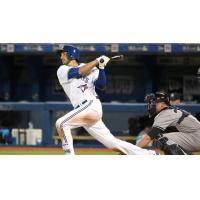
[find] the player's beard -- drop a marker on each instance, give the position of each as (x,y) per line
(65,62)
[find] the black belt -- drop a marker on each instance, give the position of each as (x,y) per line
(81,104)
(84,102)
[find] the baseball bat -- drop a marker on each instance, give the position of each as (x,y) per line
(117,58)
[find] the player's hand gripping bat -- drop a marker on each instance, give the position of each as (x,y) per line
(114,58)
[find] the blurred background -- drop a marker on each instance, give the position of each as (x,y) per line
(31,98)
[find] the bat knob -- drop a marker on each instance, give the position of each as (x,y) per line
(101,60)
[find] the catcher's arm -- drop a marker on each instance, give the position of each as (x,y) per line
(144,141)
(154,133)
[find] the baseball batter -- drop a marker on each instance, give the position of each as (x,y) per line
(79,82)
(183,142)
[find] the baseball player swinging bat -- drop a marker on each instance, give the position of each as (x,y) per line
(77,81)
(114,58)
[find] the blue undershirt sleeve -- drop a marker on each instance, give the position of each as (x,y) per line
(73,73)
(100,83)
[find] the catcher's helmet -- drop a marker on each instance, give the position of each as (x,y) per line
(152,99)
(162,97)
(72,52)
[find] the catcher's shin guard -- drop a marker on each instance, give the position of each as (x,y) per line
(170,149)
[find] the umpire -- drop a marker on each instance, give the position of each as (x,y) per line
(175,143)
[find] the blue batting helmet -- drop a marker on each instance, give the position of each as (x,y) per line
(72,52)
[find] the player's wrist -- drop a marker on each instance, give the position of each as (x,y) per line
(97,61)
(101,67)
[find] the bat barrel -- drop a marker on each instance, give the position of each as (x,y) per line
(118,57)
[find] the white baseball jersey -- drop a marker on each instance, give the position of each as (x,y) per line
(78,89)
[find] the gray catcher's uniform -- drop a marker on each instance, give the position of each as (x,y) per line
(188,126)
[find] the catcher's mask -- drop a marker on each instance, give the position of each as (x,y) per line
(152,99)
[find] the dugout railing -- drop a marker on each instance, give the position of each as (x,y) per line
(44,109)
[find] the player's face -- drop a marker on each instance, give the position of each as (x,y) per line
(64,58)
(160,106)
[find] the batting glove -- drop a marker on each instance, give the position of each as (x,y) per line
(103,60)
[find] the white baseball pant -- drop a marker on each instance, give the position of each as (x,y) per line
(89,116)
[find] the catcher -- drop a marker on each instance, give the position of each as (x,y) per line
(175,143)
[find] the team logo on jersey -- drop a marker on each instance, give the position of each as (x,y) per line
(83,87)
